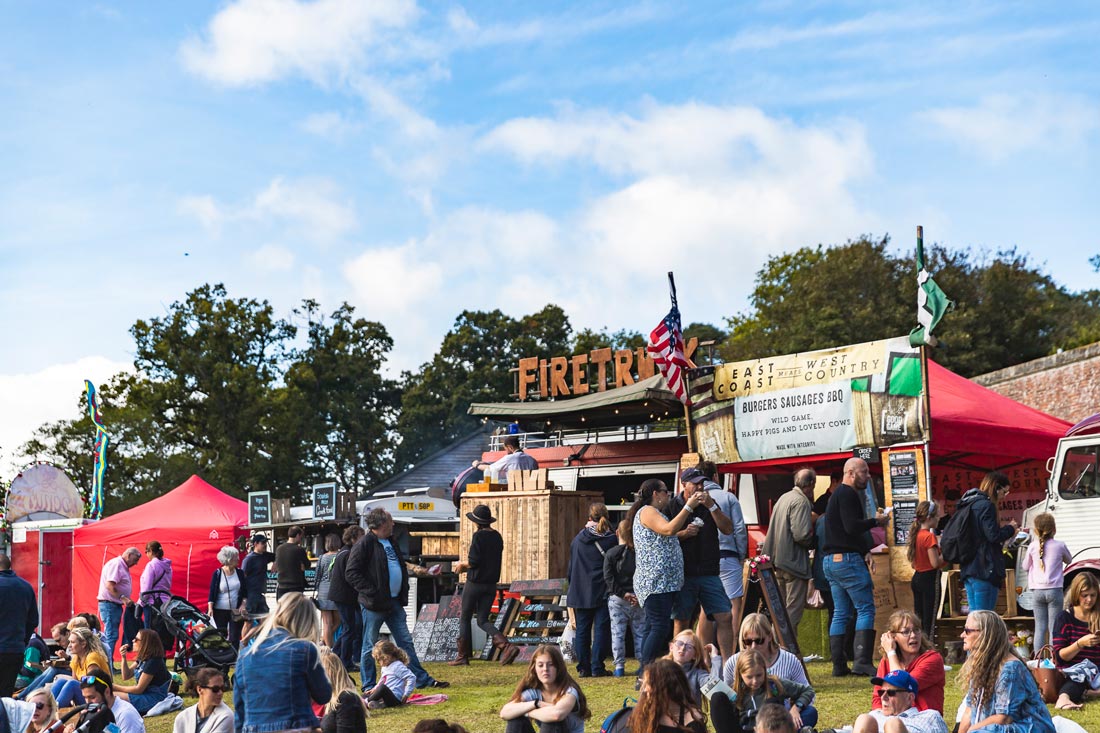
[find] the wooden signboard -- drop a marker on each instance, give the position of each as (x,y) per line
(781,622)
(905,484)
(541,616)
(259,508)
(443,646)
(503,619)
(324,501)
(422,630)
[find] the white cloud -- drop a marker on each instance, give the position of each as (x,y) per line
(272,257)
(1002,125)
(258,41)
(391,281)
(314,207)
(29,400)
(330,125)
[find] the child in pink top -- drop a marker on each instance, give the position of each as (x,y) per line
(1045,563)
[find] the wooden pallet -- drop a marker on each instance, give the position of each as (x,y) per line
(540,615)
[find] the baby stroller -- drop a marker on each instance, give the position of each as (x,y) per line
(196,642)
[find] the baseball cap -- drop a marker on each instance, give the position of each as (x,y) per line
(900,679)
(258,537)
(692,475)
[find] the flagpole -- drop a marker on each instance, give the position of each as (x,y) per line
(687,390)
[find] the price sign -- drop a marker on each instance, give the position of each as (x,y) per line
(259,508)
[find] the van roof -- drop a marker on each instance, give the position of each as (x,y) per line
(1088,426)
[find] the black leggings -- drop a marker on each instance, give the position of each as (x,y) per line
(926,596)
(1075,690)
(385,695)
(523,724)
(723,715)
(223,619)
(477,598)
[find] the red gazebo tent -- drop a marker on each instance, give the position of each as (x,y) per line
(192,522)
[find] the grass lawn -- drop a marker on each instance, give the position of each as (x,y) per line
(478,691)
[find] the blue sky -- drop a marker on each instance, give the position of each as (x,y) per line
(418,159)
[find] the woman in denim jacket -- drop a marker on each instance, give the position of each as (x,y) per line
(279,675)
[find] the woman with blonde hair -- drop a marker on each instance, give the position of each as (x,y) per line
(279,675)
(587,598)
(86,652)
(1045,562)
(754,686)
(1000,693)
(905,647)
(695,659)
(1076,635)
(345,712)
(45,711)
(757,633)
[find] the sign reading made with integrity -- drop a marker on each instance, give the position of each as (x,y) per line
(826,401)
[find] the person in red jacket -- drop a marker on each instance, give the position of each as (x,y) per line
(906,647)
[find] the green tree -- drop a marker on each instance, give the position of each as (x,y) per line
(473,364)
(587,340)
(336,405)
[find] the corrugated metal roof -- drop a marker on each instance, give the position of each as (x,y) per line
(438,469)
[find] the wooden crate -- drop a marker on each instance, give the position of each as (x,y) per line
(280,511)
(438,544)
(537,526)
(535,480)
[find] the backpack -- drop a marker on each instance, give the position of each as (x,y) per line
(618,721)
(959,543)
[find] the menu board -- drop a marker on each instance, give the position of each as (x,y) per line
(324,501)
(422,630)
(259,508)
(903,475)
(443,646)
(905,512)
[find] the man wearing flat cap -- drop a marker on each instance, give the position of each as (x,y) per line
(482,568)
(899,713)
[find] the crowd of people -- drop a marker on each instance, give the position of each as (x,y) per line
(669,577)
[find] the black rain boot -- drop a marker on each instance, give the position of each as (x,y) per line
(865,644)
(840,657)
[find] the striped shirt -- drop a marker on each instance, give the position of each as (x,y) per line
(1068,629)
(786,667)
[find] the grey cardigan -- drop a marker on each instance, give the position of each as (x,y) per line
(221,720)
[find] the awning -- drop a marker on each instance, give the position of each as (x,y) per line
(640,403)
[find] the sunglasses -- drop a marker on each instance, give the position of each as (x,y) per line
(908,632)
(970,631)
(40,706)
(216,689)
(893,693)
(753,642)
(683,644)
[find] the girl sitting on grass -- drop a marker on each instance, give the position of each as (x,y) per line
(547,695)
(396,681)
(754,687)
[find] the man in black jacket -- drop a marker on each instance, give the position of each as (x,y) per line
(847,544)
(18,618)
(349,647)
(376,568)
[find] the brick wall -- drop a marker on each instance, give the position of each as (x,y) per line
(1066,385)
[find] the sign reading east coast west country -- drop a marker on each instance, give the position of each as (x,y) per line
(828,401)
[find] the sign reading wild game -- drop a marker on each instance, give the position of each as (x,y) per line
(826,401)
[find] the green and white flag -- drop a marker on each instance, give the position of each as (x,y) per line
(932,303)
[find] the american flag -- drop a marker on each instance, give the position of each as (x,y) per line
(666,346)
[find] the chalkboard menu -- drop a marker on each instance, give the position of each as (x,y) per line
(443,646)
(422,630)
(324,501)
(501,622)
(259,508)
(272,584)
(788,635)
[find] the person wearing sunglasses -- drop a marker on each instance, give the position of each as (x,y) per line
(899,692)
(211,715)
(96,688)
(45,711)
(1000,694)
(757,633)
(905,647)
(150,671)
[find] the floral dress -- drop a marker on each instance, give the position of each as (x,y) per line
(1016,696)
(659,562)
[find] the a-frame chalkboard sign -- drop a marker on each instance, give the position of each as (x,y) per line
(781,622)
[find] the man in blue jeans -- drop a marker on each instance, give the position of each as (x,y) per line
(376,569)
(115,586)
(847,544)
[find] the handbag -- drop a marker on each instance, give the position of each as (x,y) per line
(1049,680)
